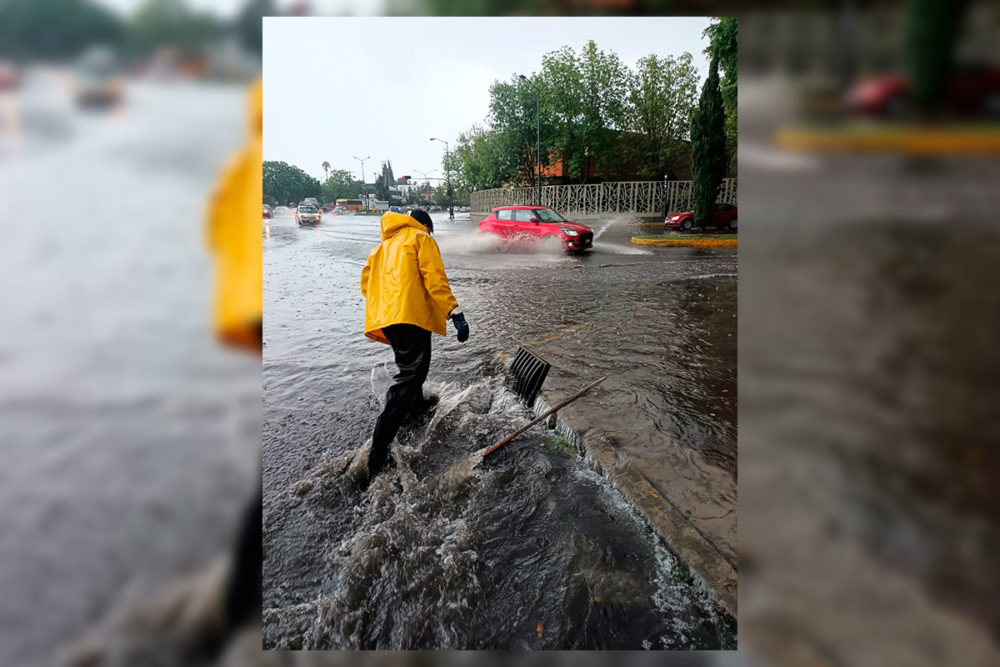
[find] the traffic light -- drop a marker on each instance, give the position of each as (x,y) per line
(406,178)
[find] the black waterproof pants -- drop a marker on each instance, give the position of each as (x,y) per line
(244,598)
(412,347)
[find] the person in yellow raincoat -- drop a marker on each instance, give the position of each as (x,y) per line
(407,298)
(234,239)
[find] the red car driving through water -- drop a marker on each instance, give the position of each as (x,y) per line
(511,222)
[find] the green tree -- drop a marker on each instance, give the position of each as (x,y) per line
(440,195)
(249,23)
(661,100)
(931,34)
(170,23)
(606,82)
(722,45)
(562,95)
(482,159)
(381,188)
(585,99)
(339,184)
(55,28)
(512,120)
(708,147)
(288,184)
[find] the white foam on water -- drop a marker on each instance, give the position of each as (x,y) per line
(615,220)
(469,243)
(621,249)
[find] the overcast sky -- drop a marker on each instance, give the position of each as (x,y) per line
(339,87)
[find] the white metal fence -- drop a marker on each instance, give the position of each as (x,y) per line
(618,197)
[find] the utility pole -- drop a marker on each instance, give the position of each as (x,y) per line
(538,136)
(447,174)
(665,211)
(364,186)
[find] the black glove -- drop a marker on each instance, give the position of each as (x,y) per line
(458,319)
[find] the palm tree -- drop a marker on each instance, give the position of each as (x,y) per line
(326,169)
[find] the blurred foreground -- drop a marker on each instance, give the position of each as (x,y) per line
(131,437)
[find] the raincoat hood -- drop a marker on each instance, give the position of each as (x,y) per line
(404,281)
(234,237)
(393,222)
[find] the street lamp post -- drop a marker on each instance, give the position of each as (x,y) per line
(364,186)
(538,137)
(447,174)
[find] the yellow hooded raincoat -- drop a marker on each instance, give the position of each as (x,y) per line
(404,282)
(234,237)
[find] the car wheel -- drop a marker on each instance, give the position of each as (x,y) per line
(687,224)
(732,224)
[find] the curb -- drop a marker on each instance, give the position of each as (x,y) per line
(911,140)
(716,575)
(690,243)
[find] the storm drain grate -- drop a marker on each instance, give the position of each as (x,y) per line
(528,372)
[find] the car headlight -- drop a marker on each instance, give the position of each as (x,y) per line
(569,232)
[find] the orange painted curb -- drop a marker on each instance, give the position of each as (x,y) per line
(916,141)
(690,243)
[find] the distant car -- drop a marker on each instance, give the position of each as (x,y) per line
(724,216)
(307,214)
(10,78)
(973,89)
(96,79)
(339,210)
(267,211)
(310,201)
(512,222)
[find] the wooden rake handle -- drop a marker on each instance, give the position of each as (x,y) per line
(557,406)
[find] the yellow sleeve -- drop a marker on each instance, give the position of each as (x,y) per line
(219,205)
(432,270)
(365,272)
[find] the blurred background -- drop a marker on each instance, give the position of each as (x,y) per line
(868,427)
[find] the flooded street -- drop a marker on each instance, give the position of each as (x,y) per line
(536,548)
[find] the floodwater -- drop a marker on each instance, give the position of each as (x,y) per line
(870,417)
(533,549)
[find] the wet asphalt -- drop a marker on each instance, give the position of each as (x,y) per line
(534,550)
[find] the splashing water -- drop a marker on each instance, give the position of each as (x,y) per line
(621,249)
(424,558)
(469,243)
(616,220)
